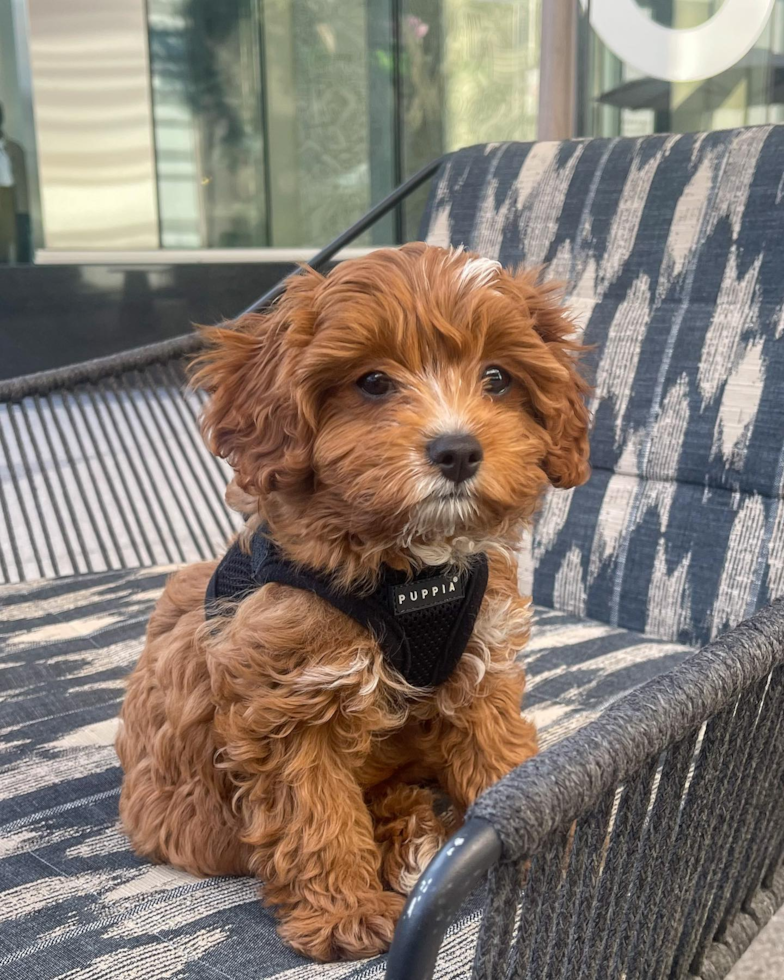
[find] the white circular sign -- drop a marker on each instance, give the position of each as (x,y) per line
(679,55)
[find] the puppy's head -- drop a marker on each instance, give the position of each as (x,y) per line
(411,396)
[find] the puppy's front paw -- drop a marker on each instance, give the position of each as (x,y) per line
(409,834)
(406,856)
(344,934)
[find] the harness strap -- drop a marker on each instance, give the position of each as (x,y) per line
(422,623)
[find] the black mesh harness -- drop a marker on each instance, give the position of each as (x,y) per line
(422,622)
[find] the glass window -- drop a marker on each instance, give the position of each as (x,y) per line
(208,116)
(279,122)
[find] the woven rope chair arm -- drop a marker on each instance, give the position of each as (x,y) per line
(98,368)
(514,819)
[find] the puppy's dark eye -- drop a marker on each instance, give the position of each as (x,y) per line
(376,384)
(496,380)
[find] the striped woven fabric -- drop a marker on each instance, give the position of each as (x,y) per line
(75,902)
(108,475)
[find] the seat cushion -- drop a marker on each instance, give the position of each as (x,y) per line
(75,902)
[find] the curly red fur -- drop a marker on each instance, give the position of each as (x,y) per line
(277,741)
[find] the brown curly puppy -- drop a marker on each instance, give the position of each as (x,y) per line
(398,417)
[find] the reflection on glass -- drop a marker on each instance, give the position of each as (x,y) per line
(618,100)
(491,70)
(471,75)
(279,122)
(19,205)
(14,199)
(317,63)
(207,104)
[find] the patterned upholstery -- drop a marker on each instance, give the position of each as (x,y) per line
(75,902)
(672,249)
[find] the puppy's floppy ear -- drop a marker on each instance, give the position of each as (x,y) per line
(563,409)
(256,418)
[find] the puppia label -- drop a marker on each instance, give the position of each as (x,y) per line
(428,592)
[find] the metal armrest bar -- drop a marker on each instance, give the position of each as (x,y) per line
(450,877)
(369,218)
(42,382)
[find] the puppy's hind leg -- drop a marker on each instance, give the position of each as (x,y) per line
(186,824)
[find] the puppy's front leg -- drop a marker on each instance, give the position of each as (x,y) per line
(313,843)
(483,741)
(298,713)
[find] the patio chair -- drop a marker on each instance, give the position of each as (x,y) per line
(645,841)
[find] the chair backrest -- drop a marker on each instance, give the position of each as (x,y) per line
(103,469)
(671,248)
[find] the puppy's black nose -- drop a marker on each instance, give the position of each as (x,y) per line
(457,456)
